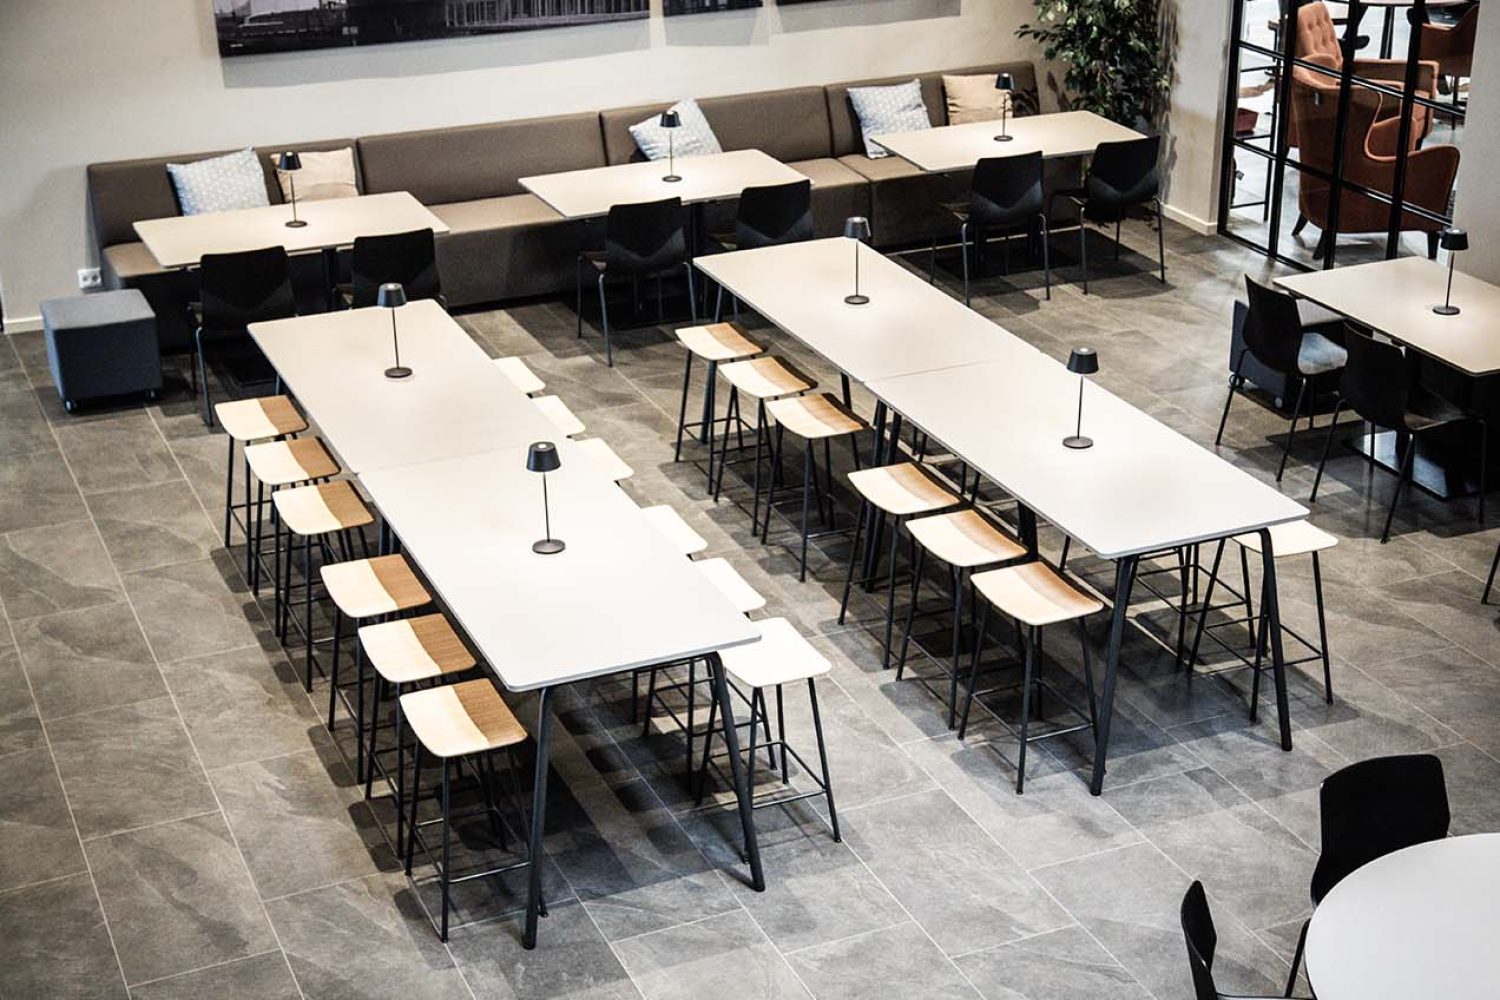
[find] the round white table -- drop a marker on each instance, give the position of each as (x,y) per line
(1422,922)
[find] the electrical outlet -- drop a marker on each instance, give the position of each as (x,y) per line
(89,278)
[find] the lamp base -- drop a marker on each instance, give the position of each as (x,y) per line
(296,223)
(1446,310)
(857,300)
(1004,138)
(400,371)
(1078,442)
(671,178)
(548,546)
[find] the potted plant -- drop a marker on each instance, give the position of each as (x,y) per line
(1114,52)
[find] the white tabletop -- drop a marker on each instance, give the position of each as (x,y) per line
(958,147)
(1422,922)
(456,402)
(1142,487)
(182,240)
(619,597)
(1396,297)
(907,326)
(581,194)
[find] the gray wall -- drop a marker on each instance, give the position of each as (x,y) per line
(1478,209)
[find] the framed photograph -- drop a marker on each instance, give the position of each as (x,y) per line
(674,7)
(247,27)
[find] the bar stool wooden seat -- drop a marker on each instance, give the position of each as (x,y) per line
(1035,596)
(454,723)
(604,458)
(965,540)
(277,464)
(678,532)
(782,656)
(761,379)
(555,410)
(246,421)
(728,581)
(520,375)
(899,492)
(813,419)
(714,344)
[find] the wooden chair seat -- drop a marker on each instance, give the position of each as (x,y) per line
(323,508)
(408,650)
(1297,538)
(605,459)
(677,531)
(718,342)
(364,588)
(257,419)
(282,463)
(813,418)
(520,375)
(555,410)
(1034,594)
(901,490)
(766,378)
(456,720)
(782,656)
(964,539)
(727,580)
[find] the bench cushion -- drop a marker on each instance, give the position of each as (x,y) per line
(504,248)
(906,204)
(787,124)
(838,192)
(844,123)
(125,262)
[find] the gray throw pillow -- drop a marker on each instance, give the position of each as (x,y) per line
(219,184)
(881,110)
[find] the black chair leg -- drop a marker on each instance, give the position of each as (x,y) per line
(1489,583)
(1292,430)
(1327,444)
(1161,243)
(1083,251)
(578,294)
(1291,981)
(1046,258)
(963,249)
(609,351)
(1401,478)
(1234,384)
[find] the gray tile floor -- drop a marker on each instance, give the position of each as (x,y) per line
(176,822)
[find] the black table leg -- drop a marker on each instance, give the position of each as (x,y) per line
(331,276)
(742,789)
(1271,609)
(1124,581)
(538,816)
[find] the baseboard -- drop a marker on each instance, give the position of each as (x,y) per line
(1200,226)
(23,324)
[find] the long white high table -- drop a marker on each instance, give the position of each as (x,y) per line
(1421,922)
(959,147)
(589,193)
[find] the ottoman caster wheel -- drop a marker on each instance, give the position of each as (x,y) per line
(70,406)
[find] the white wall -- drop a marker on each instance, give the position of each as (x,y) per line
(1478,210)
(1193,127)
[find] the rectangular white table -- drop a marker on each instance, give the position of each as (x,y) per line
(584,194)
(959,147)
(456,401)
(332,223)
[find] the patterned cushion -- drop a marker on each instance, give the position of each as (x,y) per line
(888,109)
(693,137)
(323,175)
(219,184)
(974,99)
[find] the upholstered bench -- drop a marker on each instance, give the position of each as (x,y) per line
(102,345)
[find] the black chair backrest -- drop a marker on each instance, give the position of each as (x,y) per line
(1376,381)
(774,213)
(1007,191)
(644,237)
(1273,327)
(237,289)
(1121,176)
(409,259)
(1375,807)
(1202,940)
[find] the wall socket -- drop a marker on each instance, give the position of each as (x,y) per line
(89,278)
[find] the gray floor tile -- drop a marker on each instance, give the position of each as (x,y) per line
(722,956)
(37,839)
(118,453)
(177,898)
(1473,779)
(572,961)
(23,429)
(79,661)
(54,943)
(1061,965)
(195,608)
(37,490)
(63,568)
(897,961)
(20,729)
(263,977)
(152,526)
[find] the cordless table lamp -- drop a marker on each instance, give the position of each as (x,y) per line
(856,228)
(290,162)
(392,296)
(1455,241)
(1006,84)
(671,121)
(1083,362)
(542,457)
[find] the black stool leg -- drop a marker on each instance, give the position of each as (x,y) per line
(1026,682)
(1322,629)
(416,794)
(400,769)
(447,830)
(890,595)
(687,378)
(370,747)
(963,724)
(807,483)
(333,669)
(859,527)
(911,611)
(833,814)
(229,492)
(958,614)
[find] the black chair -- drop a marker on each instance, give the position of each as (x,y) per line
(1277,335)
(1006,196)
(769,215)
(1122,176)
(235,290)
(1377,384)
(1489,583)
(641,240)
(408,259)
(1202,941)
(1370,809)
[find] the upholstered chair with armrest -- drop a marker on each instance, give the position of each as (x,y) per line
(1451,47)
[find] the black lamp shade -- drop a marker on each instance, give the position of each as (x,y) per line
(290,160)
(391,296)
(1005,82)
(1083,361)
(857,227)
(1454,240)
(670,119)
(543,457)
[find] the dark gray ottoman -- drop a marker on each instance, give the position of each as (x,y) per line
(102,345)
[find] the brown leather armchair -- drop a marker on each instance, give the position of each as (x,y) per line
(1451,47)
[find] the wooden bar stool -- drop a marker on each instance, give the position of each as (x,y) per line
(246,421)
(1035,596)
(362,590)
(555,410)
(813,419)
(520,375)
(458,723)
(604,458)
(677,531)
(781,657)
(277,465)
(762,379)
(1297,538)
(899,492)
(714,344)
(966,541)
(406,652)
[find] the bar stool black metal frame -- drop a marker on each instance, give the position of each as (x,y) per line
(812,486)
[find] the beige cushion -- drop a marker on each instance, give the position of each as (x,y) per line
(514,211)
(131,260)
(885,168)
(323,175)
(974,98)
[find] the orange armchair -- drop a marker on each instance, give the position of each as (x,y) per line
(1451,47)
